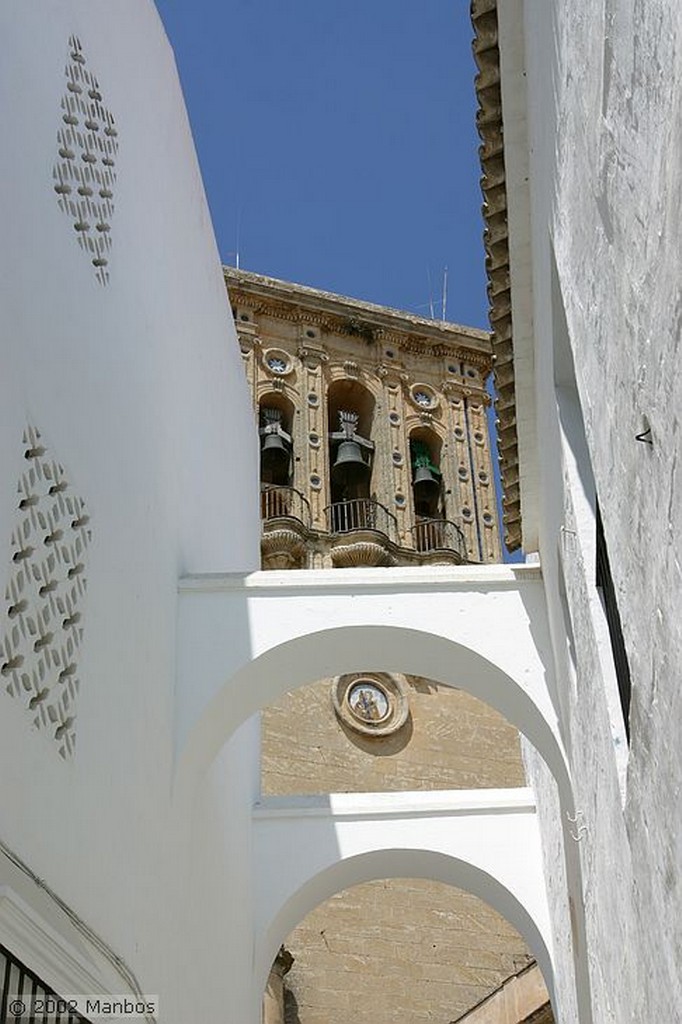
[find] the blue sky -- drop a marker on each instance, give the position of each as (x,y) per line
(337,143)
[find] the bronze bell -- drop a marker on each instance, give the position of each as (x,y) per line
(349,467)
(426,485)
(274,458)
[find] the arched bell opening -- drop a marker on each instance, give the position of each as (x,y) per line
(275,419)
(427,478)
(351,449)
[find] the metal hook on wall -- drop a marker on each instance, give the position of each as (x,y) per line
(580,829)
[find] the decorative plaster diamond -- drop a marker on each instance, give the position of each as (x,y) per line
(85,172)
(43,624)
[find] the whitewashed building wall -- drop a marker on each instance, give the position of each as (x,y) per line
(594,96)
(126,437)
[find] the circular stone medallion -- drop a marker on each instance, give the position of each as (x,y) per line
(277,361)
(374,704)
(423,396)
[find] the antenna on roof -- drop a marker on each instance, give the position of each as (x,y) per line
(239,224)
(428,277)
(445,294)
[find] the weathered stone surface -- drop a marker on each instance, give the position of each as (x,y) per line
(451,741)
(395,950)
(604,89)
(522,999)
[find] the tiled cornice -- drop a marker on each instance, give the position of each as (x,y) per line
(496,241)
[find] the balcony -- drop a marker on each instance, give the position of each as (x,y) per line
(358,532)
(285,517)
(439,541)
(283,503)
(364,533)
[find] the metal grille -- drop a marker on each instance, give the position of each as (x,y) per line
(28,1000)
(360,514)
(604,582)
(439,535)
(283,503)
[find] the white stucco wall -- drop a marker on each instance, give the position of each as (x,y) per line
(245,640)
(137,390)
(603,92)
(307,848)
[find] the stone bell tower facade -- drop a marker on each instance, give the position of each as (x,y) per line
(375,451)
(375,447)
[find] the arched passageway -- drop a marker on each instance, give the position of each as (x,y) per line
(397,949)
(398,863)
(244,643)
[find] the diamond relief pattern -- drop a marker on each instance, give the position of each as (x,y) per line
(43,619)
(85,173)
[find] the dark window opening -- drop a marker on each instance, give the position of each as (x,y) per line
(275,418)
(607,591)
(351,450)
(427,481)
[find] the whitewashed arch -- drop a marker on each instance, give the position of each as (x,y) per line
(245,641)
(310,656)
(399,863)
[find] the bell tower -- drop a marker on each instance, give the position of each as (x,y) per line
(375,451)
(375,447)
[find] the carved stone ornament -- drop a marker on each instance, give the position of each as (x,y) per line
(277,361)
(423,397)
(361,551)
(351,368)
(312,356)
(374,704)
(282,548)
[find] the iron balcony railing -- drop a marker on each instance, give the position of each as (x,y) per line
(361,514)
(439,535)
(26,999)
(283,503)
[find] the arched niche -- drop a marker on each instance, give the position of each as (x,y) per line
(348,393)
(426,475)
(350,421)
(275,428)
